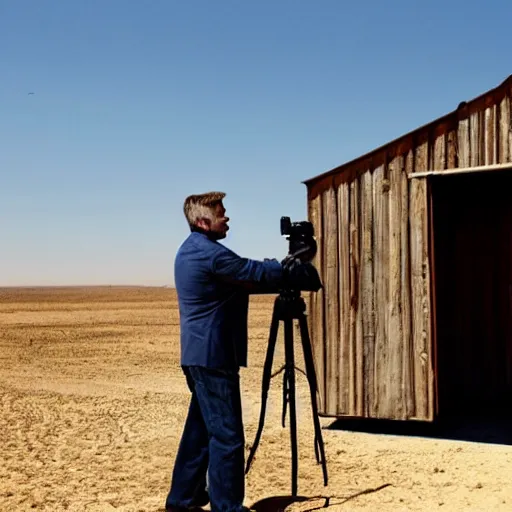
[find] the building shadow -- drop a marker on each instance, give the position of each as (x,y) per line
(492,429)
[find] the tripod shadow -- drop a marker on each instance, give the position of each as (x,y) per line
(311,504)
(277,503)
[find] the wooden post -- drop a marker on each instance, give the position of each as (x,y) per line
(505,133)
(439,153)
(451,150)
(490,139)
(381,285)
(366,296)
(331,300)
(476,132)
(463,143)
(316,303)
(395,403)
(420,276)
(344,305)
(408,349)
(356,331)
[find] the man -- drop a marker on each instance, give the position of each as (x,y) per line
(213,285)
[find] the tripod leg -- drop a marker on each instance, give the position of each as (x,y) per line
(286,399)
(267,372)
(311,375)
(290,375)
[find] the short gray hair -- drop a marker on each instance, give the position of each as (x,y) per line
(200,206)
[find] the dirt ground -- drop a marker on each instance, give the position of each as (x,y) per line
(93,402)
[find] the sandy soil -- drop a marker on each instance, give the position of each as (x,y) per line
(93,401)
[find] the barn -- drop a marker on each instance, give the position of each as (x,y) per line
(415,242)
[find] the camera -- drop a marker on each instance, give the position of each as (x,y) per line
(301,238)
(296,229)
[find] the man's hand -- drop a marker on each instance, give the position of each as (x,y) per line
(302,276)
(290,262)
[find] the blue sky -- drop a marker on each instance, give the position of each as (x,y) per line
(137,104)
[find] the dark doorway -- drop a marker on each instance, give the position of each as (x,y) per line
(472,223)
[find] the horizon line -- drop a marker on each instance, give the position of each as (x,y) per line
(3,287)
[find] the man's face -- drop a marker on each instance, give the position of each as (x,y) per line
(218,226)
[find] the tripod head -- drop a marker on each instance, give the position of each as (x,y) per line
(301,275)
(301,239)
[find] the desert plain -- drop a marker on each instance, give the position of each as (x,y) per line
(93,402)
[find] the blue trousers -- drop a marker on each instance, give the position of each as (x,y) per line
(212,442)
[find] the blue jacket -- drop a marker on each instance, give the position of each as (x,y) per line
(213,285)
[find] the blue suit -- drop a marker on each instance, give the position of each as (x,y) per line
(213,286)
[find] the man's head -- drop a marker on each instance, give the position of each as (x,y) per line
(206,212)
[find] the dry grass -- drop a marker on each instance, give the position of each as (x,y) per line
(93,402)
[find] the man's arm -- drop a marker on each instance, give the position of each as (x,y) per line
(253,275)
(268,276)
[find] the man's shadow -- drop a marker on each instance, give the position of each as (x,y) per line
(312,503)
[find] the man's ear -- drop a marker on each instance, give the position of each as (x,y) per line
(204,223)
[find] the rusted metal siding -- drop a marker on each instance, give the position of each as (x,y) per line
(372,326)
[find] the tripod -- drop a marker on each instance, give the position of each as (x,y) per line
(289,305)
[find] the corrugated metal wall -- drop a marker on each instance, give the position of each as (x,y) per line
(371,327)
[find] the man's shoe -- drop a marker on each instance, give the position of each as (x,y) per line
(201,501)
